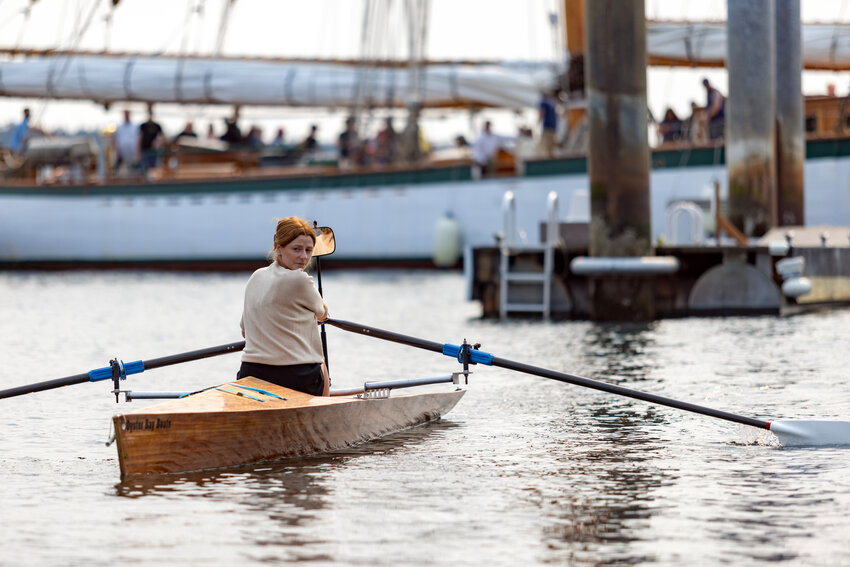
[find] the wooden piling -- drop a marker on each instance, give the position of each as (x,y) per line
(790,137)
(750,116)
(618,153)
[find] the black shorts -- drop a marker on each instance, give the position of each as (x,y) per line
(307,378)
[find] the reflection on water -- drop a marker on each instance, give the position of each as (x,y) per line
(290,493)
(280,478)
(524,471)
(622,471)
(617,351)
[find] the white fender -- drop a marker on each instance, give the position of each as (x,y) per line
(447,242)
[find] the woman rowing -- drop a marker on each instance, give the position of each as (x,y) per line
(281,314)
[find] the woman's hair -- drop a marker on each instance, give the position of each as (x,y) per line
(288,229)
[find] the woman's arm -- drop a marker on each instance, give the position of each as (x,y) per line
(327,389)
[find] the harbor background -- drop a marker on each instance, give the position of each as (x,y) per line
(506,30)
(523,471)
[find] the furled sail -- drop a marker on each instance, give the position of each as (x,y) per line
(106,78)
(825,46)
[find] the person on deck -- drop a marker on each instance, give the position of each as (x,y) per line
(386,142)
(187,132)
(670,129)
(150,139)
(310,143)
(281,313)
(232,134)
(20,135)
(485,148)
(347,144)
(126,142)
(254,139)
(715,110)
(548,118)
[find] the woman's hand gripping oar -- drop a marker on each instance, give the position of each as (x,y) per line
(118,370)
(789,432)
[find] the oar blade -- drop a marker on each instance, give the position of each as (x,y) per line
(801,433)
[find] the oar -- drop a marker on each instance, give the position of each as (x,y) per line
(119,369)
(790,432)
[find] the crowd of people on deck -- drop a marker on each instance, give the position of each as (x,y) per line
(140,146)
(706,124)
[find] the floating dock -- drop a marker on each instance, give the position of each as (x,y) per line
(788,270)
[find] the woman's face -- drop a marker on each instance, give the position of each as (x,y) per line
(296,255)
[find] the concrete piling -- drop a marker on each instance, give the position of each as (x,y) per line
(790,140)
(618,154)
(751,115)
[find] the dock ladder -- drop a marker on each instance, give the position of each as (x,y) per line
(511,248)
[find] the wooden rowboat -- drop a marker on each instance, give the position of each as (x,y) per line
(250,420)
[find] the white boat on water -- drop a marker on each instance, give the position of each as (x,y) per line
(221,216)
(228,220)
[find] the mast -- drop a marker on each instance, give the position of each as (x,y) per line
(574,80)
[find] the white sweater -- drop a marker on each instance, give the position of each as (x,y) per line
(279,318)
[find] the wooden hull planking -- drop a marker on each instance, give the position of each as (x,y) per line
(230,426)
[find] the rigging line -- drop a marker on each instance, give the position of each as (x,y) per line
(181,59)
(26,12)
(362,66)
(423,44)
(187,24)
(555,29)
(222,28)
(10,19)
(833,48)
(52,80)
(107,27)
(201,11)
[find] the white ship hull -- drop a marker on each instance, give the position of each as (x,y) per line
(186,222)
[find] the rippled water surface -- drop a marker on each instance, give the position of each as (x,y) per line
(523,471)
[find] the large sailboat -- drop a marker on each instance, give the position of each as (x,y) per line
(207,204)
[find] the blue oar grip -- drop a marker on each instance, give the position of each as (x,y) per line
(475,356)
(105,373)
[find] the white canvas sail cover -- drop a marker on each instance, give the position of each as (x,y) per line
(269,83)
(824,46)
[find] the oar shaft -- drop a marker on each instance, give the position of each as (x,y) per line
(130,368)
(46,385)
(193,355)
(386,335)
(485,358)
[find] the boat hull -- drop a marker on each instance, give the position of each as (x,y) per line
(232,425)
(175,223)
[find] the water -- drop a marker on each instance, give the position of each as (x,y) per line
(524,471)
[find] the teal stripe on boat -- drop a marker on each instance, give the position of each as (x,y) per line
(197,392)
(240,394)
(259,390)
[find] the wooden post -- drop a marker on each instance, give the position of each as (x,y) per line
(618,157)
(751,115)
(790,140)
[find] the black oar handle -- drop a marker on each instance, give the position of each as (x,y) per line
(193,355)
(489,359)
(386,335)
(129,368)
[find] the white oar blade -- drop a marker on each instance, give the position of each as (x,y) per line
(811,433)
